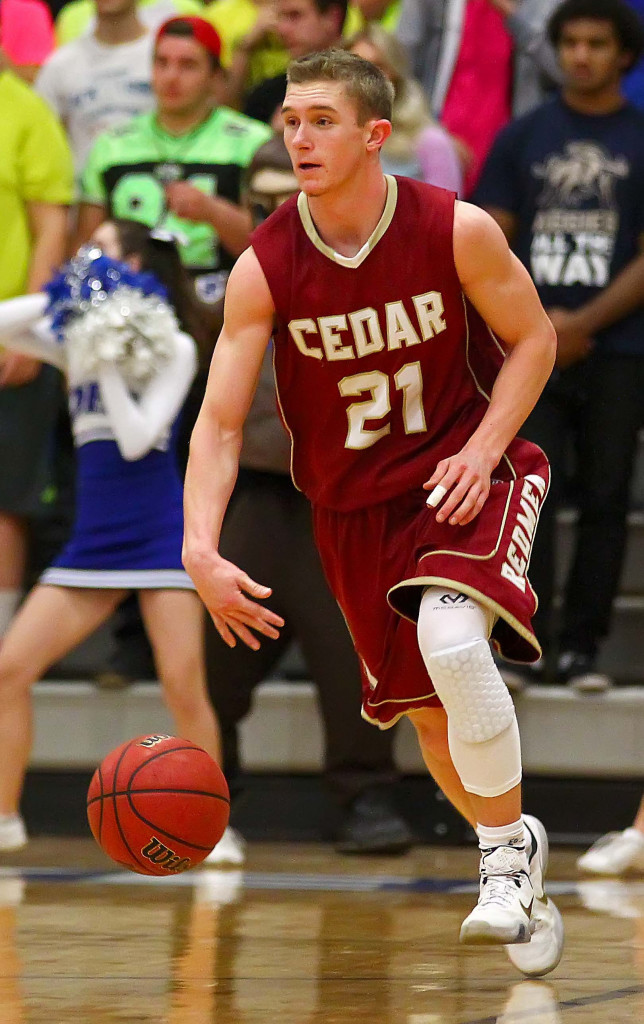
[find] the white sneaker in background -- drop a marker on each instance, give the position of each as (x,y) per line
(615,854)
(13,834)
(590,682)
(542,954)
(215,888)
(613,897)
(12,891)
(502,914)
(230,850)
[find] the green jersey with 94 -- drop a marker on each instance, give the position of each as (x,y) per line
(129,167)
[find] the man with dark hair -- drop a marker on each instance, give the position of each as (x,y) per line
(304,26)
(385,299)
(566,184)
(180,166)
(626,24)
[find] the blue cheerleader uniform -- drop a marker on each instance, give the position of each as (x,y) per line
(128,529)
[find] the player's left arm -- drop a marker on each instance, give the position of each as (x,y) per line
(500,288)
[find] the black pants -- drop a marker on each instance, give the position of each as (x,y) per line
(268,532)
(595,409)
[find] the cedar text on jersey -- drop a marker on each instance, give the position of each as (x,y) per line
(357,334)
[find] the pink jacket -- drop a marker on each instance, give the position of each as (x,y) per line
(26,31)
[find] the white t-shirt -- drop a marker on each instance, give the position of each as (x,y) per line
(93,86)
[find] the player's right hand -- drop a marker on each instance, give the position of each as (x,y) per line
(223,588)
(459,486)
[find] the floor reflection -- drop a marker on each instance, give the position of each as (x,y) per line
(212,951)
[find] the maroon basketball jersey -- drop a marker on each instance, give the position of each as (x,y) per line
(383,367)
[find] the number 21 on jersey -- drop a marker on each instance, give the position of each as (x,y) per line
(377,406)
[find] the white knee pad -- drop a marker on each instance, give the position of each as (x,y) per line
(471,690)
(483,734)
(482,729)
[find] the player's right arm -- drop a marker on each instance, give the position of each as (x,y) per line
(214,458)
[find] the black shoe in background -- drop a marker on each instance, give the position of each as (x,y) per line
(131,661)
(577,670)
(371,824)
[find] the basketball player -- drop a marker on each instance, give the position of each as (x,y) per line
(386,299)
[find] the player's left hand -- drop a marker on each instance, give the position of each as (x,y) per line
(459,487)
(188,202)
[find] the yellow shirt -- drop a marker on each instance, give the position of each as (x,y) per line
(35,166)
(234,19)
(76,16)
(355,21)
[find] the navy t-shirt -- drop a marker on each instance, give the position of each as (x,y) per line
(575,182)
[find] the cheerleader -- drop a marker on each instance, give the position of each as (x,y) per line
(115,322)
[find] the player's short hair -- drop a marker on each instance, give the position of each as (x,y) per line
(625,21)
(364,83)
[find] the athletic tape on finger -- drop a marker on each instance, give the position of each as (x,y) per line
(436,495)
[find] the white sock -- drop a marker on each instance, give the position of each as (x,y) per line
(9,601)
(501,835)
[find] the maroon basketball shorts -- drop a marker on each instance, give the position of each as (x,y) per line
(379,559)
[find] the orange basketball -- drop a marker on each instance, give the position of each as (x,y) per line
(158,804)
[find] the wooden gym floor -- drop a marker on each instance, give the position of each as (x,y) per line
(302,936)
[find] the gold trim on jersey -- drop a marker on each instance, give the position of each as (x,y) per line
(351,262)
(463,588)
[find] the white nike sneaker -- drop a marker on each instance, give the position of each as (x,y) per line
(502,914)
(229,851)
(13,834)
(542,954)
(614,854)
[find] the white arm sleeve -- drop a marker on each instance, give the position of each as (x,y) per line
(23,328)
(140,423)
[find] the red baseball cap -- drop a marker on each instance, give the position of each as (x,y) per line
(202,31)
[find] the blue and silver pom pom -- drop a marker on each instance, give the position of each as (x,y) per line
(105,312)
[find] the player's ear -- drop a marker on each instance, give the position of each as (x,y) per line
(379,132)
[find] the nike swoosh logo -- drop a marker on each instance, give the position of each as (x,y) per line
(528,908)
(533,845)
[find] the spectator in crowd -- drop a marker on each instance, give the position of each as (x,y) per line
(101,79)
(566,184)
(78,16)
(617,853)
(359,768)
(26,35)
(251,50)
(36,173)
(417,146)
(443,39)
(304,26)
(179,166)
